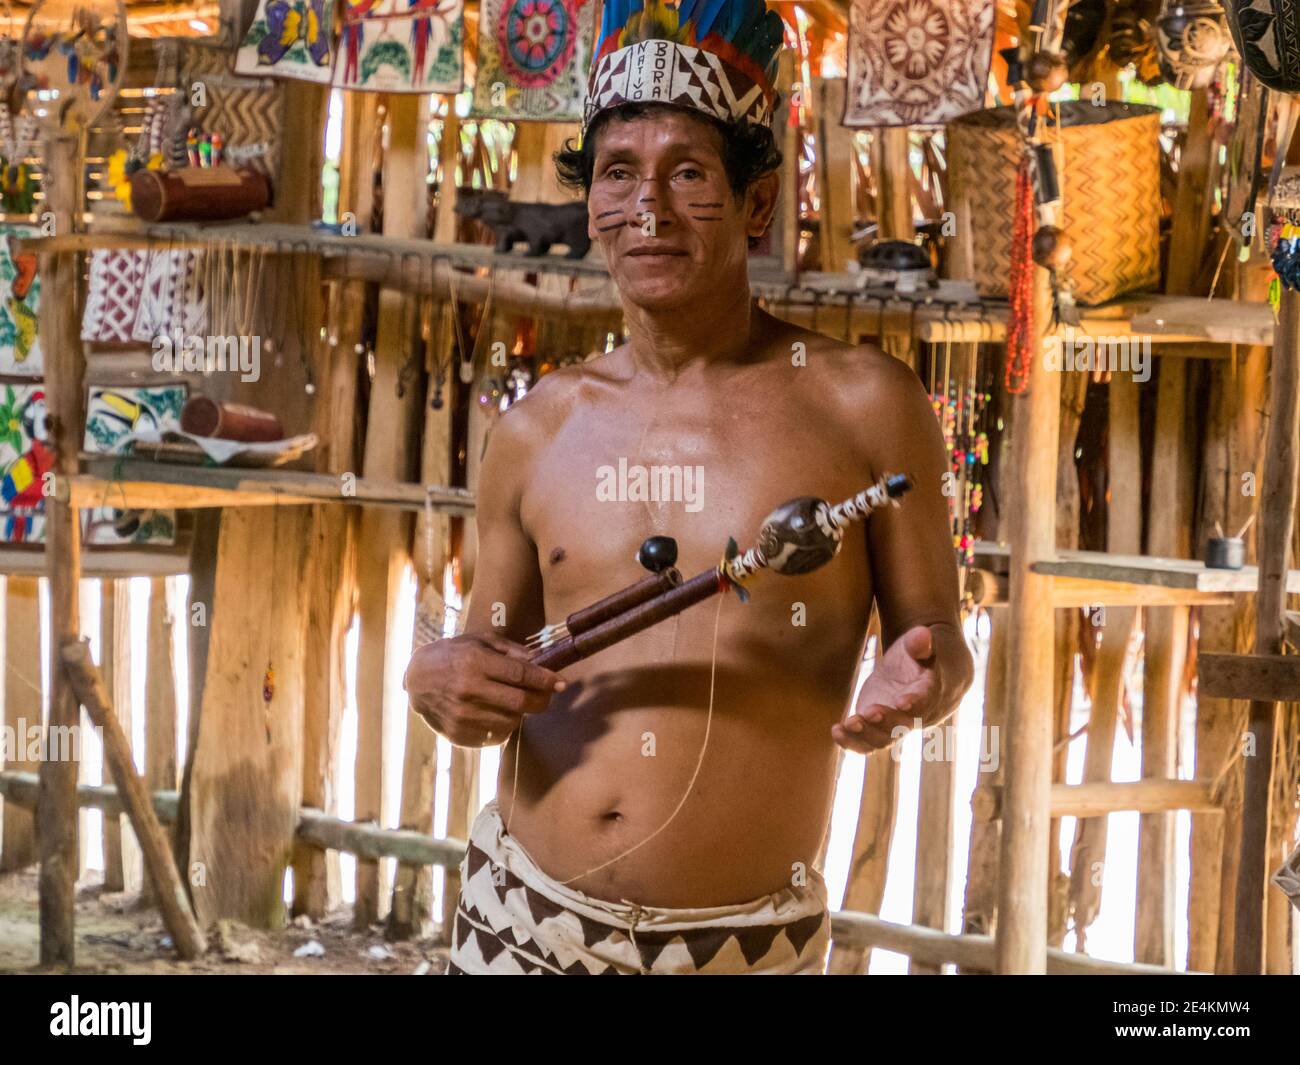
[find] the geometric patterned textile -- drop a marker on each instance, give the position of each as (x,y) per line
(113,295)
(513,919)
(533,58)
(1267,36)
(676,74)
(917,62)
(140,295)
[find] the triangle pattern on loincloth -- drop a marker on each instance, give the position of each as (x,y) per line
(800,932)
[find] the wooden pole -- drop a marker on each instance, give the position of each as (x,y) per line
(865,890)
(1168,535)
(383,535)
(159,698)
(1123,536)
(835,166)
(979,915)
(23,696)
(88,688)
(1165,649)
(1276,521)
(56,816)
(1027,741)
(893,183)
(1234,444)
(412,907)
(121,852)
(1074,392)
(934,845)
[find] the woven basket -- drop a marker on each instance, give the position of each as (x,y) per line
(1108,160)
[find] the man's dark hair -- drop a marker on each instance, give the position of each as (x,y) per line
(749,150)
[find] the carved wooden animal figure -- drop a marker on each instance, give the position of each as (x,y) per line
(539,224)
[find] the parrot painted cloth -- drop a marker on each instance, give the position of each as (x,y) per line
(401,46)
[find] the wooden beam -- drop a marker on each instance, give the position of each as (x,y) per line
(1107,797)
(1264,678)
(173,903)
(975,953)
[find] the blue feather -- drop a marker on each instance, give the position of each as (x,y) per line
(707,17)
(743,38)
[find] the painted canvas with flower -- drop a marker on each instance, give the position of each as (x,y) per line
(533,58)
(917,62)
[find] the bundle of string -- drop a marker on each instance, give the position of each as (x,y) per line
(1020,322)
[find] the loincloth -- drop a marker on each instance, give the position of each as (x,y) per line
(511,918)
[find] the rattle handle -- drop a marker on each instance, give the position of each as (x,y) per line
(624,599)
(630,622)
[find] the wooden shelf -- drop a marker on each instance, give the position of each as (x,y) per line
(107,480)
(1086,578)
(952,312)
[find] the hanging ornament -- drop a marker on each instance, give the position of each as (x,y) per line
(73,60)
(1020,322)
(1192,38)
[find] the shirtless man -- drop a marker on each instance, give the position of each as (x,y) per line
(606,831)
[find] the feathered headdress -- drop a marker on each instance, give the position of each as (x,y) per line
(715,56)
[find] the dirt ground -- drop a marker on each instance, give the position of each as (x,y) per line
(116,934)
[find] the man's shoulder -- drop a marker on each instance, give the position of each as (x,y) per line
(546,403)
(853,373)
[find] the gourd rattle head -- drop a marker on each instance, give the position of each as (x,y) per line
(799,537)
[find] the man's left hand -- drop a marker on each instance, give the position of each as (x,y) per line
(904,686)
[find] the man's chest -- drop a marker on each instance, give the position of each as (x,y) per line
(609,479)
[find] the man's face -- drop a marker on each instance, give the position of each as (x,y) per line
(660,206)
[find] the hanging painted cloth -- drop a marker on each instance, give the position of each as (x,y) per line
(917,62)
(533,58)
(20,304)
(401,46)
(289,39)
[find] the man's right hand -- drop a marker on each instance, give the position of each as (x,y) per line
(475,689)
